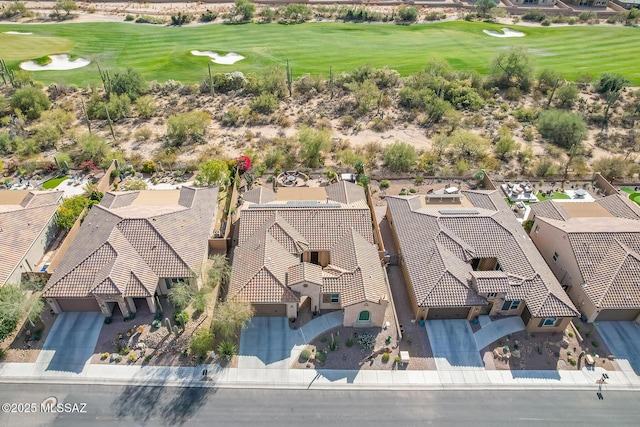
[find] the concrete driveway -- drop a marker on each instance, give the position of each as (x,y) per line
(453,345)
(268,342)
(70,343)
(623,340)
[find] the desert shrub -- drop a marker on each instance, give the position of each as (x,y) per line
(309,84)
(321,357)
(227,349)
(545,22)
(572,362)
(347,122)
(567,95)
(357,13)
(187,127)
(70,210)
(525,115)
(535,15)
(297,13)
(129,17)
(265,103)
(587,16)
(30,101)
(181,317)
(407,13)
(208,16)
(14,10)
(202,341)
(132,357)
(143,134)
(180,19)
(145,19)
(129,82)
(231,117)
(313,145)
(613,167)
(305,355)
(148,166)
(400,157)
(562,127)
(146,106)
(386,357)
(384,184)
(513,94)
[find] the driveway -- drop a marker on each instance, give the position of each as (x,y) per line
(453,345)
(268,342)
(493,331)
(70,343)
(623,340)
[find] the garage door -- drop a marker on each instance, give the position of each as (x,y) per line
(78,304)
(618,315)
(270,310)
(448,313)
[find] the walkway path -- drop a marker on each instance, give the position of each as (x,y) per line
(497,329)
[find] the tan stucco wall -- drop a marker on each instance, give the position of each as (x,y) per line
(549,240)
(352,313)
(312,291)
(532,326)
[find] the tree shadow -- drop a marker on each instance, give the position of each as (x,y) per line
(171,405)
(185,404)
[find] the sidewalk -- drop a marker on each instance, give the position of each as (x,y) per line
(326,379)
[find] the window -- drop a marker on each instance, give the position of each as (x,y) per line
(335,298)
(364,316)
(555,256)
(510,305)
(549,321)
(535,230)
(492,294)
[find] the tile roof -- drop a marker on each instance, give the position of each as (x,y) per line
(609,262)
(21,224)
(549,209)
(437,248)
(124,250)
(620,206)
(345,192)
(259,195)
(272,236)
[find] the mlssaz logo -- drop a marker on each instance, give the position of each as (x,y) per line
(51,404)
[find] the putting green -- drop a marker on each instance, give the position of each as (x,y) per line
(163,53)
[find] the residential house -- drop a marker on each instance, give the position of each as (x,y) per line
(27,228)
(537,3)
(133,246)
(465,254)
(313,248)
(593,248)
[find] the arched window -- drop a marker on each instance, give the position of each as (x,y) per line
(365,316)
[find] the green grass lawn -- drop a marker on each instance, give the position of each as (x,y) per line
(627,190)
(53,182)
(555,195)
(635,197)
(163,53)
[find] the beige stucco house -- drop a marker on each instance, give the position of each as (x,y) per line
(27,228)
(309,246)
(133,246)
(465,254)
(593,248)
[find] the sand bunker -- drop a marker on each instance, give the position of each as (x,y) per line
(58,63)
(228,59)
(507,33)
(18,33)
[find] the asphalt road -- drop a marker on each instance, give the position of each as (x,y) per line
(108,405)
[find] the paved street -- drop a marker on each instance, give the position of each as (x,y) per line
(188,406)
